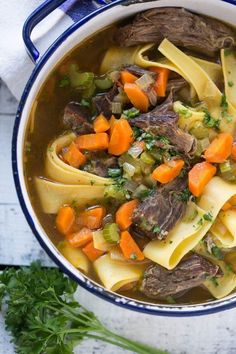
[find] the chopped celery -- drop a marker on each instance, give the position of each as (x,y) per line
(141,192)
(191,212)
(116,107)
(128,169)
(104,82)
(199,130)
(157,154)
(147,158)
(88,93)
(146,168)
(80,80)
(111,233)
(129,159)
(114,172)
(225,167)
(115,192)
(135,150)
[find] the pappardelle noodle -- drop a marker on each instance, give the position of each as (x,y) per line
(130,157)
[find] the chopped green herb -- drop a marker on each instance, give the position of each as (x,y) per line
(214,281)
(230,83)
(170,300)
(85,103)
(133,256)
(216,251)
(211,122)
(64,82)
(185,112)
(156,229)
(144,194)
(149,139)
(131,113)
(224,112)
(164,140)
(114,172)
(208,216)
(170,242)
(92,182)
(137,132)
(184,196)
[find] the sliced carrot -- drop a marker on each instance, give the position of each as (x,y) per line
(233,152)
(112,122)
(161,81)
(80,238)
(137,97)
(91,252)
(219,149)
(91,218)
(199,176)
(73,156)
(98,141)
(127,78)
(121,138)
(168,171)
(129,247)
(65,219)
(226,206)
(101,124)
(124,214)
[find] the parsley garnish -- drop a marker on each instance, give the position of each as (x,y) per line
(216,251)
(185,112)
(211,122)
(133,256)
(164,140)
(208,216)
(131,113)
(137,132)
(149,139)
(230,83)
(44,317)
(85,103)
(224,112)
(156,229)
(64,82)
(214,281)
(114,172)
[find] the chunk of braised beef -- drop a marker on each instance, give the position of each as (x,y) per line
(159,283)
(138,71)
(161,121)
(183,28)
(102,102)
(76,118)
(156,215)
(100,162)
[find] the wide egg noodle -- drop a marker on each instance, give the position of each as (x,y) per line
(206,89)
(187,116)
(75,256)
(114,275)
(53,195)
(59,171)
(224,228)
(220,286)
(228,59)
(185,236)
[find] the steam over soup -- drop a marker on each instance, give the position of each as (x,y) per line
(130,157)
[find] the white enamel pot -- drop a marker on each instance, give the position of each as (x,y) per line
(96,18)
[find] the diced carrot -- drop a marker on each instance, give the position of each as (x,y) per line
(91,218)
(168,171)
(129,247)
(65,219)
(226,206)
(124,214)
(101,124)
(161,81)
(91,252)
(73,156)
(112,122)
(80,238)
(199,176)
(98,141)
(233,152)
(121,138)
(137,97)
(219,149)
(127,78)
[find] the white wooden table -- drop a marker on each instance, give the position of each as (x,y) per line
(208,334)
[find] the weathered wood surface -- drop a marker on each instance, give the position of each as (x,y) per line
(212,334)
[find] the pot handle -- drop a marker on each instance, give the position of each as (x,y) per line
(43,11)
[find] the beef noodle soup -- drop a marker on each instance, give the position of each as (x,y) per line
(130,158)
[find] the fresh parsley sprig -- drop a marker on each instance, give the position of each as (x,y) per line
(44,318)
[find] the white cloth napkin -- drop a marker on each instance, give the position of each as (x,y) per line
(15,64)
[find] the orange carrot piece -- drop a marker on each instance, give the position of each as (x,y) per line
(112,122)
(161,81)
(129,247)
(219,149)
(91,252)
(73,156)
(80,238)
(199,176)
(65,219)
(137,97)
(226,206)
(91,218)
(127,78)
(168,171)
(98,141)
(124,214)
(233,152)
(121,138)
(101,124)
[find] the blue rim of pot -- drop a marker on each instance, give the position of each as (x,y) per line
(139,306)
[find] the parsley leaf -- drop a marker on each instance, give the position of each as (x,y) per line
(131,113)
(216,251)
(64,82)
(208,216)
(211,122)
